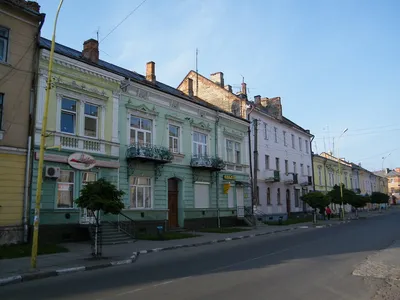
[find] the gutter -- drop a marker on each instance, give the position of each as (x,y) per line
(250,160)
(312,164)
(31,130)
(217,177)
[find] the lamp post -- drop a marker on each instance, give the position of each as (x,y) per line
(42,146)
(340,174)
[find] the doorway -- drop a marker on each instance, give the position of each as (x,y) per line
(173,195)
(288,204)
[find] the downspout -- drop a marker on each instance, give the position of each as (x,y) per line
(31,129)
(250,160)
(312,164)
(326,182)
(217,179)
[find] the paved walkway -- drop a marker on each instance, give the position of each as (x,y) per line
(79,256)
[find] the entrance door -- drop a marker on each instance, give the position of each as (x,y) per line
(288,204)
(239,196)
(173,203)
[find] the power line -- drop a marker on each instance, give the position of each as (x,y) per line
(123,20)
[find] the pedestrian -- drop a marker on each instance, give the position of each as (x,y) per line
(328,212)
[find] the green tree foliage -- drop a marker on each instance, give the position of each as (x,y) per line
(316,200)
(335,197)
(379,198)
(101,195)
(359,201)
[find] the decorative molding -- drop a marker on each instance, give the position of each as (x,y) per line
(80,88)
(201,125)
(142,109)
(233,134)
(174,104)
(82,67)
(174,118)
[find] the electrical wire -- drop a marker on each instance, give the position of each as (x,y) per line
(123,20)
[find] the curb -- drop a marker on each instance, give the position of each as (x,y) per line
(135,255)
(59,272)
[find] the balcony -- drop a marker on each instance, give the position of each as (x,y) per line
(305,180)
(148,152)
(207,163)
(271,176)
(73,142)
(290,178)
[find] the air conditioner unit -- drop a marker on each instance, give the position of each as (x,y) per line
(52,172)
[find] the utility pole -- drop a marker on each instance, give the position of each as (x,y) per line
(255,152)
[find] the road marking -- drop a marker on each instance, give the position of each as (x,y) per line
(162,283)
(129,292)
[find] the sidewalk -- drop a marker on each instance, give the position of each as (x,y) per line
(79,257)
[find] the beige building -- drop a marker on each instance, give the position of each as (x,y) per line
(20,24)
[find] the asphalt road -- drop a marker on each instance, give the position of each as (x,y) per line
(308,264)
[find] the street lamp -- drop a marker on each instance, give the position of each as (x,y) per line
(42,146)
(340,174)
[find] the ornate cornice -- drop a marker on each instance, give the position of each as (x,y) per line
(233,133)
(142,109)
(174,118)
(201,125)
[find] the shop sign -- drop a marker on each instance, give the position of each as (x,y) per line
(227,186)
(229,177)
(81,161)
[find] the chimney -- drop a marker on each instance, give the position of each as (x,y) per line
(91,50)
(244,88)
(218,78)
(228,88)
(257,100)
(190,87)
(151,71)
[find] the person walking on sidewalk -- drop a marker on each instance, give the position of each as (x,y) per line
(328,212)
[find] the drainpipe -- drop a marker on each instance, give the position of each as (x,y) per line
(250,160)
(217,179)
(312,164)
(31,131)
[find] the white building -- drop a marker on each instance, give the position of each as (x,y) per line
(285,171)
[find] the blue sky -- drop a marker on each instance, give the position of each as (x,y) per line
(335,63)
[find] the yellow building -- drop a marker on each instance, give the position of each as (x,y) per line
(20,24)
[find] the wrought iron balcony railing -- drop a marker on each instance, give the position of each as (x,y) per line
(149,152)
(207,162)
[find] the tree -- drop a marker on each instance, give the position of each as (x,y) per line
(379,198)
(316,200)
(100,196)
(335,197)
(359,201)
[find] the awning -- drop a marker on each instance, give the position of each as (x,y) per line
(239,182)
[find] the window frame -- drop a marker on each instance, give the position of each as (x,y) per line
(286,166)
(266,135)
(277,164)
(284,139)
(300,144)
(294,167)
(235,151)
(307,146)
(73,184)
(140,130)
(143,186)
(276,134)
(6,40)
(293,141)
(1,110)
(195,144)
(267,162)
(302,169)
(320,176)
(269,196)
(178,139)
(69,112)
(91,117)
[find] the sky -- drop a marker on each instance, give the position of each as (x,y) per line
(334,63)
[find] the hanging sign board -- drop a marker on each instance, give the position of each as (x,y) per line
(229,177)
(81,161)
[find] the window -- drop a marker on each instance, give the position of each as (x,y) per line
(306,144)
(296,197)
(300,144)
(1,110)
(320,176)
(68,116)
(201,195)
(302,169)
(286,166)
(308,171)
(233,151)
(294,167)
(174,138)
(345,180)
(3,44)
(88,177)
(265,131)
(276,134)
(277,163)
(284,138)
(65,189)
(293,146)
(267,162)
(268,196)
(278,196)
(91,120)
(141,130)
(140,191)
(199,144)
